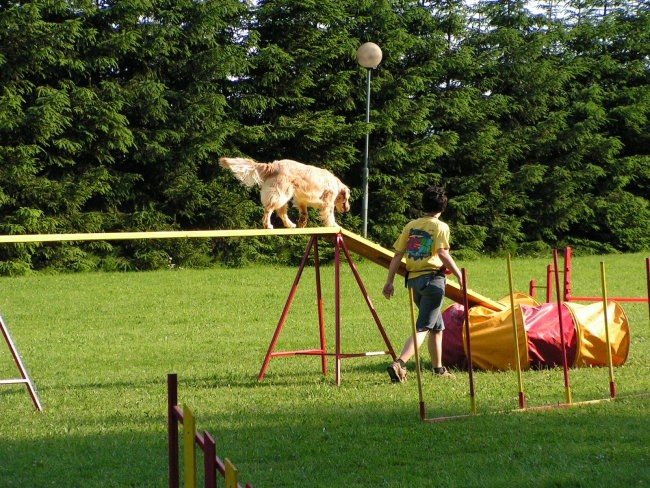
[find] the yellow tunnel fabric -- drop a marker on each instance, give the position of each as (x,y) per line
(519,298)
(592,344)
(492,336)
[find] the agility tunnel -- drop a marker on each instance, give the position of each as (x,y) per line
(538,333)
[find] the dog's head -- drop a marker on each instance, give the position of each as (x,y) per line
(342,201)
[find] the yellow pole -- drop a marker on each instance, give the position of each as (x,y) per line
(603,281)
(189,427)
(417,356)
(231,474)
(522,396)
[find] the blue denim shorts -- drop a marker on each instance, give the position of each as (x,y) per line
(428,294)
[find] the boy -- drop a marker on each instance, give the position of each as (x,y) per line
(425,242)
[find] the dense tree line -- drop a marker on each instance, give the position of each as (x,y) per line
(113,115)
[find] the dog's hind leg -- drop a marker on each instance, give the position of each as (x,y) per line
(282,213)
(275,195)
(266,219)
(327,209)
(274,200)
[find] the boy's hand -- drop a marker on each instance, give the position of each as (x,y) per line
(389,290)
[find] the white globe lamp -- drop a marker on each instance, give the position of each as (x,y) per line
(369,56)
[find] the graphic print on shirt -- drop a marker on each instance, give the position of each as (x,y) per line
(420,245)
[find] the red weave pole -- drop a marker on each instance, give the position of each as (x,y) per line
(337,306)
(549,283)
(321,313)
(532,288)
(470,367)
(610,364)
(567,386)
(568,264)
(209,461)
(172,430)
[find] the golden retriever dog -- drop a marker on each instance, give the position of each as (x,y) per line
(283,180)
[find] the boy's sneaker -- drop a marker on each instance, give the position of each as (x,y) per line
(443,372)
(397,372)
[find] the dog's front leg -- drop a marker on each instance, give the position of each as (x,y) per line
(327,217)
(266,219)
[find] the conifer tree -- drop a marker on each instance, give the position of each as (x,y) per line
(112,118)
(113,115)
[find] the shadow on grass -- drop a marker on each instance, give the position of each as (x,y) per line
(297,428)
(337,444)
(101,460)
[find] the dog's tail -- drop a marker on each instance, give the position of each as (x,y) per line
(245,170)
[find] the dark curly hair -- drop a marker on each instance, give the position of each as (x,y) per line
(434,199)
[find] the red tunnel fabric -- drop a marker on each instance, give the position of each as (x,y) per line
(542,325)
(453,350)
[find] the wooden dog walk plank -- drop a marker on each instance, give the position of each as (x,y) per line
(356,243)
(112,236)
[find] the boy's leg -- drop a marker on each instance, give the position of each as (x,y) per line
(431,316)
(435,348)
(408,351)
(397,369)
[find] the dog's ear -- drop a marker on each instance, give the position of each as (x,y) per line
(344,194)
(343,199)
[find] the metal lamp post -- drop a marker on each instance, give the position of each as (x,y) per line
(369,56)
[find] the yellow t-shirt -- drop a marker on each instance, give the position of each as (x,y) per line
(419,241)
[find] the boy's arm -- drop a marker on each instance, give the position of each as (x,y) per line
(450,264)
(389,289)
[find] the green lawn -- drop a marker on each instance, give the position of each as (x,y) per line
(99,348)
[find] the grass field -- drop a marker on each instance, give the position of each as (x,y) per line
(99,347)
